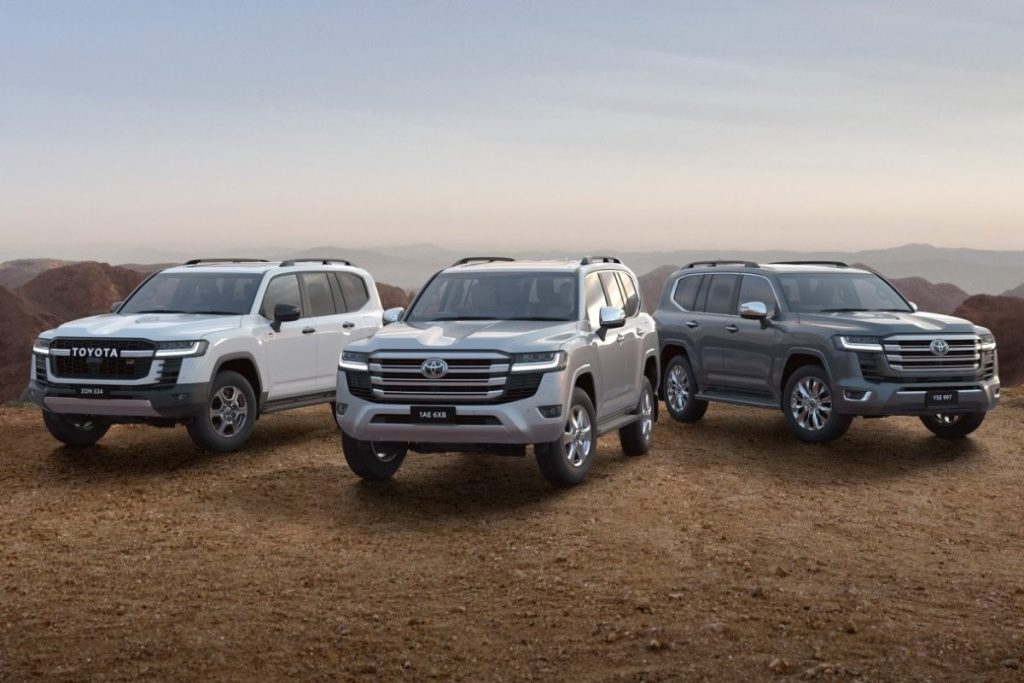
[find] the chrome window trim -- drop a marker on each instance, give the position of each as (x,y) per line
(672,296)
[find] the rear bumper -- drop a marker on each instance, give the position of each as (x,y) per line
(176,402)
(512,423)
(890,398)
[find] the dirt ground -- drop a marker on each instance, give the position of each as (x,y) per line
(731,552)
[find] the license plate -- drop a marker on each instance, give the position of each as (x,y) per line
(92,392)
(941,399)
(433,414)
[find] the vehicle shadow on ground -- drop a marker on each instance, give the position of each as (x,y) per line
(892,447)
(146,451)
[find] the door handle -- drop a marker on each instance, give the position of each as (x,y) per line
(621,338)
(692,324)
(348,325)
(308,330)
(732,328)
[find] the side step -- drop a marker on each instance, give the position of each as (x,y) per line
(617,422)
(738,398)
(297,402)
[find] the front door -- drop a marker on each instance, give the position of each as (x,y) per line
(612,381)
(292,350)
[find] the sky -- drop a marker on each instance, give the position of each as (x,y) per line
(192,126)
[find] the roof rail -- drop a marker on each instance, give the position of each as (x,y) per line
(197,261)
(482,259)
(837,264)
(723,262)
(587,260)
(324,261)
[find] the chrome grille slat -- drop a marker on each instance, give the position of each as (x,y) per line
(471,376)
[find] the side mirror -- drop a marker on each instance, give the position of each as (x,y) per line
(754,310)
(285,313)
(913,306)
(611,317)
(114,306)
(392,315)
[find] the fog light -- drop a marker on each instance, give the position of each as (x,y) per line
(550,411)
(340,408)
(856,395)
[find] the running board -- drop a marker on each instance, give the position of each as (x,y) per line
(297,402)
(618,422)
(737,398)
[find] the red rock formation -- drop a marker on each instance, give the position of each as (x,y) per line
(80,289)
(22,323)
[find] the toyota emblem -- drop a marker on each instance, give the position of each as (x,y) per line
(939,347)
(434,368)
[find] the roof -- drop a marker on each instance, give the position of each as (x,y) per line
(503,264)
(740,265)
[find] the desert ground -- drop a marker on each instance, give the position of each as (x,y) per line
(730,552)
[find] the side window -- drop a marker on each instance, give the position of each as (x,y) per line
(720,294)
(318,294)
(354,290)
(686,292)
(283,289)
(632,297)
(613,290)
(595,299)
(757,288)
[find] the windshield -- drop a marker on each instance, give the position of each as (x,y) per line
(212,293)
(498,296)
(840,292)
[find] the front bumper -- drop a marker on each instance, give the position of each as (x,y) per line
(900,398)
(513,423)
(175,402)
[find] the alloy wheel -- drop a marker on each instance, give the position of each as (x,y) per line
(647,416)
(229,411)
(578,438)
(811,404)
(678,390)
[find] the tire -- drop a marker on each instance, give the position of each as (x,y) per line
(75,430)
(565,461)
(227,421)
(809,407)
(636,438)
(372,461)
(954,425)
(680,385)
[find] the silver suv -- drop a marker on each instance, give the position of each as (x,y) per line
(495,354)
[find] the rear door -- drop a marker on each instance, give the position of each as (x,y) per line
(292,351)
(349,319)
(630,336)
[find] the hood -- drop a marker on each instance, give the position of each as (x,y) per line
(511,336)
(881,324)
(154,326)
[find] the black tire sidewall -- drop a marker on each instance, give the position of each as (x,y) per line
(960,429)
(631,437)
(201,429)
(61,427)
(363,461)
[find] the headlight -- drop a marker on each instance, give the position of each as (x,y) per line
(41,346)
(858,343)
(988,342)
(539,361)
(181,349)
(354,360)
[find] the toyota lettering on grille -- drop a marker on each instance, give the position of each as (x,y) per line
(94,352)
(939,347)
(434,368)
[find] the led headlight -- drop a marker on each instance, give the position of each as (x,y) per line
(354,360)
(988,342)
(181,349)
(539,361)
(858,343)
(41,346)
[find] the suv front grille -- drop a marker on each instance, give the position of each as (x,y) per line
(472,377)
(133,361)
(913,355)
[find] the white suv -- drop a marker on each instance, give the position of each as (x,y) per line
(211,344)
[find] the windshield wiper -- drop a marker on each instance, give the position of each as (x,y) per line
(844,310)
(463,317)
(155,310)
(212,313)
(542,318)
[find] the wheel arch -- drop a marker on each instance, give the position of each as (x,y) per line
(245,365)
(796,359)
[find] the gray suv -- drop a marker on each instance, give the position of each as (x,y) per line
(495,354)
(825,342)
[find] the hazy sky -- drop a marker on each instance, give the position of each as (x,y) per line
(642,125)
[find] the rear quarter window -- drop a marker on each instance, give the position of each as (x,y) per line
(686,291)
